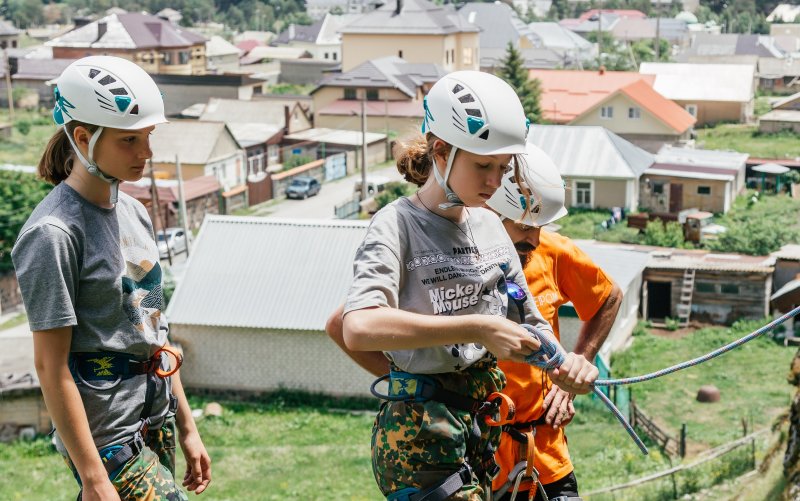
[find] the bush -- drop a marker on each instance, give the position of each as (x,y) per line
(23,126)
(296,161)
(664,235)
(672,324)
(393,191)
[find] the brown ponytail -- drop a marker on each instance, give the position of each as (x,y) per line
(523,182)
(415,157)
(56,162)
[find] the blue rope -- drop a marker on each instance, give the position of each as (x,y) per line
(551,355)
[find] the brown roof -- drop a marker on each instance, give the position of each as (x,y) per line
(566,94)
(660,107)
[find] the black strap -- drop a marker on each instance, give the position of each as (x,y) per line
(513,429)
(106,365)
(446,488)
(149,397)
(122,456)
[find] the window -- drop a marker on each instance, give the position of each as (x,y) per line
(467,56)
(336,55)
(326,55)
(453,55)
(168,58)
(350,94)
(730,289)
(184,56)
(634,112)
(447,57)
(372,95)
(706,287)
(658,188)
(607,112)
(583,193)
(400,54)
(692,109)
(704,190)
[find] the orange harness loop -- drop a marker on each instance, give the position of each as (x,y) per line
(170,351)
(505,409)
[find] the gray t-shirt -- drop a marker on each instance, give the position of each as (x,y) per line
(97,270)
(418,261)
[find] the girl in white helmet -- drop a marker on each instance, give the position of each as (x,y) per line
(88,268)
(430,292)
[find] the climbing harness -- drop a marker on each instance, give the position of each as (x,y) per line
(116,367)
(496,409)
(551,355)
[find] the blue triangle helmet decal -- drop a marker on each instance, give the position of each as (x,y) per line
(474,124)
(122,102)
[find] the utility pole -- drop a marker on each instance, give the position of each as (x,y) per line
(154,202)
(658,31)
(182,204)
(9,90)
(600,36)
(364,146)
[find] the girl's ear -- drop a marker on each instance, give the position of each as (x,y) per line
(81,136)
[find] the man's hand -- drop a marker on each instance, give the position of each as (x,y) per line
(558,407)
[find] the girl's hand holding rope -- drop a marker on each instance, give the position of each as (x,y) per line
(576,375)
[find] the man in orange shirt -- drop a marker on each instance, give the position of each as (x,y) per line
(557,272)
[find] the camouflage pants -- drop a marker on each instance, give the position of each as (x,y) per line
(151,474)
(418,445)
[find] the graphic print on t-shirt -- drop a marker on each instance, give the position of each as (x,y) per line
(142,296)
(463,279)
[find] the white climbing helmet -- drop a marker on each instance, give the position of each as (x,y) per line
(545,184)
(110,92)
(106,91)
(477,112)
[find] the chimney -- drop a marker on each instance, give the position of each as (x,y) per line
(399,7)
(80,21)
(602,70)
(102,28)
(286,119)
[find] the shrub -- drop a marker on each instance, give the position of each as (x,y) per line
(23,126)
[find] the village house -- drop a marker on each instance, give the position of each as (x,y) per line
(417,31)
(153,43)
(711,93)
(785,115)
(600,169)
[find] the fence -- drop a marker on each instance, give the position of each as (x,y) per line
(348,210)
(667,443)
(704,457)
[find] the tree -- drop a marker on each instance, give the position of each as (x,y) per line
(19,194)
(513,71)
(643,50)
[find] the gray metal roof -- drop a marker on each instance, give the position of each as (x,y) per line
(622,265)
(555,36)
(419,17)
(538,59)
(702,82)
(386,72)
(128,31)
(267,273)
(240,111)
(8,29)
(590,151)
(715,159)
(193,141)
(299,33)
(498,22)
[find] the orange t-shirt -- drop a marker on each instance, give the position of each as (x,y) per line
(558,272)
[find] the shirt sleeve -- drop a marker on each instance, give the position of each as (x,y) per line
(376,278)
(582,281)
(46,263)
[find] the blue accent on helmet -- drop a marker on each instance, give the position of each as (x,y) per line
(428,115)
(61,108)
(523,202)
(122,102)
(527,124)
(474,124)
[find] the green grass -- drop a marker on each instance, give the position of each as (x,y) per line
(585,224)
(292,446)
(18,319)
(26,149)
(747,139)
(751,380)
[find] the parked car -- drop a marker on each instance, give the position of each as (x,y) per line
(375,185)
(303,187)
(172,238)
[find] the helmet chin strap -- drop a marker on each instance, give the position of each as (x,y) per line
(454,200)
(92,166)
